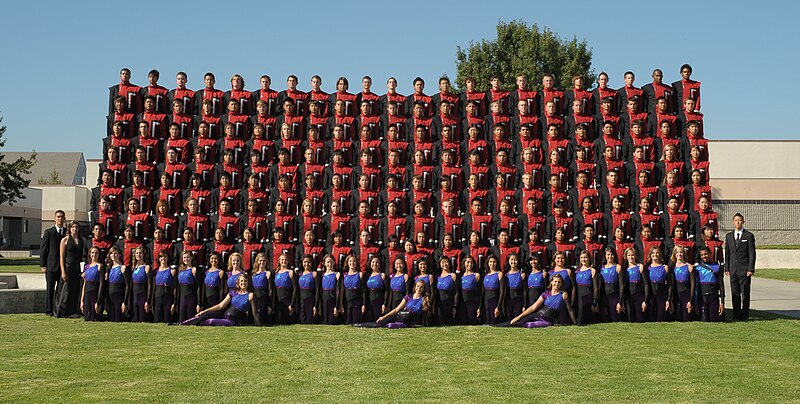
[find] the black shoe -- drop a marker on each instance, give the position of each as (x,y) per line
(49,314)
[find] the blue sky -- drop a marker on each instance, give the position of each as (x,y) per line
(59,58)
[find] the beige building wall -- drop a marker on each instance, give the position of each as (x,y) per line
(92,172)
(21,224)
(73,200)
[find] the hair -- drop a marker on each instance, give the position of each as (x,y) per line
(182,265)
(613,254)
(734,216)
(676,249)
(588,254)
(559,277)
(625,254)
(255,262)
(426,301)
(230,261)
(110,262)
(134,261)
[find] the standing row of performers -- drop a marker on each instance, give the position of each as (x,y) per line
(657,288)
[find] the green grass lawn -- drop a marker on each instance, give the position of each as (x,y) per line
(45,359)
(783,274)
(19,265)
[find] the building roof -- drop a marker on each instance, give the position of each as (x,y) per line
(70,166)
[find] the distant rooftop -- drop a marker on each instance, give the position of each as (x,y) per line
(69,166)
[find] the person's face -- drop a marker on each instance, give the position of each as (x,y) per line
(696,177)
(237,83)
(552,131)
(363,209)
(672,204)
(419,288)
(644,204)
(616,204)
(341,85)
(74,229)
(492,264)
(686,73)
(309,238)
(531,206)
(366,83)
(679,233)
(148,104)
(671,178)
(608,130)
(522,82)
(236,262)
(638,154)
(219,235)
(188,235)
(352,263)
(585,260)
(550,107)
(186,258)
(364,238)
(97,232)
(612,177)
(738,222)
(419,86)
(391,84)
(335,207)
(474,238)
(588,233)
(602,81)
(152,79)
(547,82)
(330,263)
(629,79)
(125,76)
(291,82)
(261,262)
(264,83)
(631,257)
(119,105)
(172,157)
(704,255)
(106,178)
(476,206)
(631,105)
(133,206)
(418,110)
(646,233)
(448,241)
(559,259)
(577,83)
(503,237)
(703,204)
(315,83)
(214,261)
(242,283)
(689,104)
(307,264)
(209,81)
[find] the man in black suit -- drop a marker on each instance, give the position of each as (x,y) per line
(740,263)
(50,257)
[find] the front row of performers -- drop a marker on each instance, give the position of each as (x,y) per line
(656,290)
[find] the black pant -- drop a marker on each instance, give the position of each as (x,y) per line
(740,289)
(52,278)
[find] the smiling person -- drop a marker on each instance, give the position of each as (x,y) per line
(546,310)
(408,312)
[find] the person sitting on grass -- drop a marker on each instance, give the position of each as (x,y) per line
(239,304)
(551,303)
(409,312)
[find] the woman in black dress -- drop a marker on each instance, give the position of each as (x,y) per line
(72,249)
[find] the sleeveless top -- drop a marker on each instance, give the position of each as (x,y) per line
(139,275)
(116,276)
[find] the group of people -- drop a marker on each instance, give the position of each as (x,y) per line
(395,181)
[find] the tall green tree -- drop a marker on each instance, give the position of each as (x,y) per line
(523,49)
(11,174)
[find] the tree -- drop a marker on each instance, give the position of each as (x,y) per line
(522,49)
(11,174)
(54,179)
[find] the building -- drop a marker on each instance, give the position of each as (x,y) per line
(58,181)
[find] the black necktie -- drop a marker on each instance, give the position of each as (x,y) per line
(738,236)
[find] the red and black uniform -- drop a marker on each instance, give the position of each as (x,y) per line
(185,123)
(270,97)
(128,123)
(554,95)
(250,251)
(131,93)
(426,101)
(161,245)
(626,93)
(243,98)
(206,200)
(214,124)
(182,146)
(241,124)
(270,124)
(620,219)
(259,223)
(170,225)
(144,195)
(215,96)
(598,222)
(685,89)
(186,97)
(531,108)
(316,224)
(297,124)
(654,91)
(652,220)
(173,196)
(199,224)
(123,145)
(196,248)
(110,221)
(397,98)
(156,122)
(115,195)
(349,100)
(586,98)
(232,194)
(224,248)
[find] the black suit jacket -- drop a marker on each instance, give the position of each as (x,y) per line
(740,257)
(50,250)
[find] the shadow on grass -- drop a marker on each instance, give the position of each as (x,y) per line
(19,261)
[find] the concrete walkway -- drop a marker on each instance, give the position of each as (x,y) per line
(780,297)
